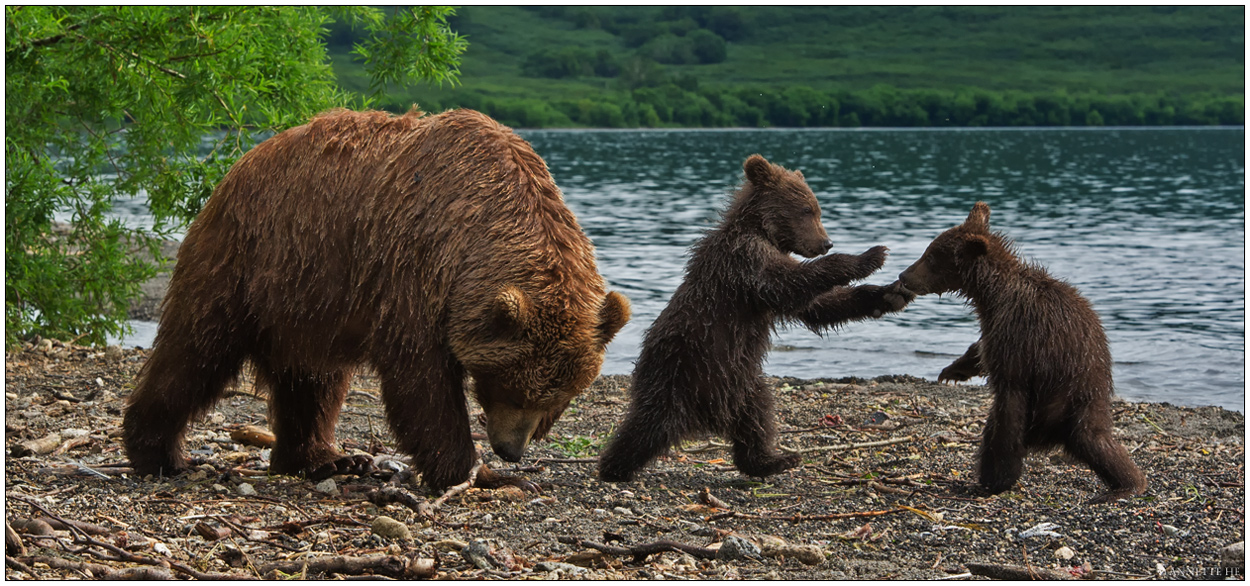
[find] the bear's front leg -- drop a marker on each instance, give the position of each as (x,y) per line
(788,286)
(423,392)
(846,304)
(964,367)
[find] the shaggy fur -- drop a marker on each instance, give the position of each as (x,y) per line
(1043,351)
(700,366)
(431,248)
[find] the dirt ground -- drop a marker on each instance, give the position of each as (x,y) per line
(885,492)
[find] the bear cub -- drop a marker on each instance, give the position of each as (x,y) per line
(1043,351)
(700,367)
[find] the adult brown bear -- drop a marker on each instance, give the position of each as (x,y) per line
(1042,349)
(699,370)
(430,248)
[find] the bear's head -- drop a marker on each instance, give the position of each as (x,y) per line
(779,203)
(940,267)
(529,361)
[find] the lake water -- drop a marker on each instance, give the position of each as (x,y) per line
(1148,223)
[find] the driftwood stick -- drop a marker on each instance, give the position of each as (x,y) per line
(640,552)
(797,518)
(101,571)
(566,460)
(842,447)
(385,565)
(1008,572)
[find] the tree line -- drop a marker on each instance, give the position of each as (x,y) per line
(672,105)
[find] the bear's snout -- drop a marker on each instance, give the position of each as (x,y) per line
(910,282)
(826,245)
(510,430)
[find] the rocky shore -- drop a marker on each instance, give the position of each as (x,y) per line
(886,491)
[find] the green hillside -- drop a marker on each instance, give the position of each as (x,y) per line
(840,66)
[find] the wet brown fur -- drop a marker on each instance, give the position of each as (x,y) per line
(700,367)
(429,247)
(1043,351)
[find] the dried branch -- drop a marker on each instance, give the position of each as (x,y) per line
(101,571)
(842,447)
(1008,572)
(386,565)
(641,552)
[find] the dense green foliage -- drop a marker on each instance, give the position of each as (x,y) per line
(103,103)
(698,66)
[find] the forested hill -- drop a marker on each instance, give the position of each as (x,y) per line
(716,66)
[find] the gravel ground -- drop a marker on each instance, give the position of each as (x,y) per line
(904,506)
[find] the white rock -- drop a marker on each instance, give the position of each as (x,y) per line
(327,486)
(1065,553)
(1040,530)
(246,489)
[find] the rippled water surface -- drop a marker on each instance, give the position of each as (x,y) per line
(1148,223)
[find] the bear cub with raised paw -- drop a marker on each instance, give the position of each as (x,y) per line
(700,367)
(1043,351)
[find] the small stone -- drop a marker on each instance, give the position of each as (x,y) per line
(487,518)
(737,548)
(327,486)
(216,487)
(478,553)
(389,528)
(113,353)
(73,432)
(558,567)
(623,511)
(1170,530)
(1233,555)
(246,489)
(1065,553)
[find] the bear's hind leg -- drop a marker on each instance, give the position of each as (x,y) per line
(1003,449)
(649,430)
(303,410)
(754,434)
(1110,461)
(180,382)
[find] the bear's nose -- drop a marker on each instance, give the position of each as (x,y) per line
(826,245)
(508,452)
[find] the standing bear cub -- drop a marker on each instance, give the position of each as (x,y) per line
(700,368)
(1042,349)
(432,249)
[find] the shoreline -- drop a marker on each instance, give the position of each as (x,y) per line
(902,505)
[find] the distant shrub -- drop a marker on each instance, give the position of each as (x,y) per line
(707,46)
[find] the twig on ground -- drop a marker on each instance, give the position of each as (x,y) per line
(101,571)
(838,448)
(641,552)
(1008,572)
(386,565)
(566,460)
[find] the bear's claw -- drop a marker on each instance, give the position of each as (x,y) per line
(490,480)
(355,465)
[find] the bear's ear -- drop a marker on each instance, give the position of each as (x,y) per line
(612,316)
(758,170)
(979,217)
(974,245)
(512,310)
